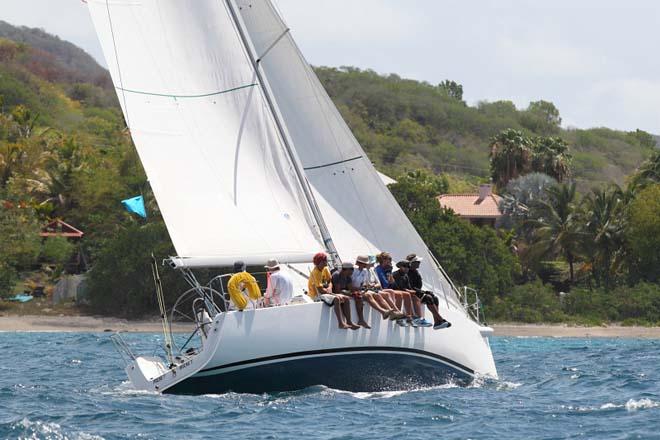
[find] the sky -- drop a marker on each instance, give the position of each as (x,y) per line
(596,60)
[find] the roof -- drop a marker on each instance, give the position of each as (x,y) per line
(58,228)
(469,205)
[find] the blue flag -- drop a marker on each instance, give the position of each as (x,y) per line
(135,205)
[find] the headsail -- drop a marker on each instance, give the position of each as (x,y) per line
(214,158)
(361,213)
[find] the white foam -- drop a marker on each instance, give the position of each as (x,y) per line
(38,430)
(610,405)
(634,405)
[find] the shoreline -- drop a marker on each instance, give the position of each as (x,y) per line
(94,324)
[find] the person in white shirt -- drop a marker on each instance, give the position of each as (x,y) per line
(361,280)
(280,288)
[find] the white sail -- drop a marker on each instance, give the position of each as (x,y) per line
(207,140)
(362,215)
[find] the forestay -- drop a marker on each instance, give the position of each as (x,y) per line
(207,140)
(362,215)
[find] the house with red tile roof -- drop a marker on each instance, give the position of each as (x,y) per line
(480,209)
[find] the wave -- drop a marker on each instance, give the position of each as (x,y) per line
(630,405)
(38,429)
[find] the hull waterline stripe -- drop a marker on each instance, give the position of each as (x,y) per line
(140,92)
(343,350)
(333,163)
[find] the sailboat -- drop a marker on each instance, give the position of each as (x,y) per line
(250,160)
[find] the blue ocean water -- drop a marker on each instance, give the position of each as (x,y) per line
(72,386)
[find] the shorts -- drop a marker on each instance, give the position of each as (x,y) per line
(427,298)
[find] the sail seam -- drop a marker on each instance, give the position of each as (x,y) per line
(205,95)
(333,163)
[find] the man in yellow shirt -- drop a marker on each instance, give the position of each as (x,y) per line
(240,281)
(320,280)
(320,283)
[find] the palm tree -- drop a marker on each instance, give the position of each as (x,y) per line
(604,231)
(649,172)
(556,226)
(510,156)
(550,156)
(11,157)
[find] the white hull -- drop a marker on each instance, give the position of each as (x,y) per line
(292,347)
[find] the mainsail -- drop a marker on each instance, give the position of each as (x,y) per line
(208,141)
(361,214)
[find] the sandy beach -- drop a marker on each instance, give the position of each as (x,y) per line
(36,323)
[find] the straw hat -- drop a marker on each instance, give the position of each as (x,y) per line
(272,264)
(363,259)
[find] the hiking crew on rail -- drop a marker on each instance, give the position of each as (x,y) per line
(398,296)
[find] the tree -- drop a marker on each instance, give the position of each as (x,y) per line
(416,192)
(120,282)
(643,138)
(520,194)
(643,234)
(19,242)
(603,238)
(541,117)
(649,172)
(550,155)
(510,154)
(556,226)
(452,89)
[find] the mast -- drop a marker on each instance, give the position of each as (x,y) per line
(272,106)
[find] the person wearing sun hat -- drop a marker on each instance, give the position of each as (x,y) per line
(426,297)
(279,289)
(361,283)
(342,286)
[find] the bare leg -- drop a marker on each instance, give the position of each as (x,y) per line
(407,302)
(346,307)
(398,299)
(434,311)
(340,318)
(380,299)
(375,304)
(387,296)
(359,306)
(417,305)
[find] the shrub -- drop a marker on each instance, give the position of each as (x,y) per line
(120,283)
(57,250)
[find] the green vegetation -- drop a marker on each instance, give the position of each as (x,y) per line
(580,217)
(405,125)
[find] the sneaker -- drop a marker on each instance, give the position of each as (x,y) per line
(424,323)
(402,322)
(442,324)
(415,322)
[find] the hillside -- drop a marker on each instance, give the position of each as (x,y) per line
(65,61)
(405,124)
(402,124)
